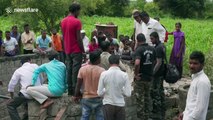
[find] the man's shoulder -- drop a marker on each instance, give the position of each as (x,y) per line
(13,39)
(204,79)
(68,18)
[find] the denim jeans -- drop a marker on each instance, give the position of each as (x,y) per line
(74,64)
(89,105)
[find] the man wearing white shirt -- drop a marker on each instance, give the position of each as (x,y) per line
(85,40)
(22,75)
(113,86)
(199,92)
(137,26)
(10,45)
(150,25)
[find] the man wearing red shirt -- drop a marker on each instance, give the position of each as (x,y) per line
(73,45)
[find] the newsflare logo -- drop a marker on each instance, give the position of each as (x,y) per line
(10,10)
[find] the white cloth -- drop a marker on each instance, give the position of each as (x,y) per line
(40,93)
(113,85)
(24,76)
(153,26)
(198,97)
(86,43)
(10,44)
(138,28)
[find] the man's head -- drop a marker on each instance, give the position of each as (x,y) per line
(54,31)
(141,38)
(83,33)
(94,33)
(75,9)
(144,17)
(122,38)
(114,60)
(7,35)
(43,33)
(196,61)
(105,46)
(94,57)
(25,59)
(154,37)
(136,16)
(14,29)
(26,28)
(109,37)
(53,56)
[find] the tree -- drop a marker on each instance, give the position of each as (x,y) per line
(89,7)
(3,5)
(183,8)
(112,8)
(48,15)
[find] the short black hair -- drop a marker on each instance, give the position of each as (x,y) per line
(136,14)
(43,31)
(114,59)
(26,25)
(53,56)
(198,55)
(105,45)
(74,7)
(155,35)
(25,59)
(7,31)
(94,56)
(14,27)
(141,37)
(144,14)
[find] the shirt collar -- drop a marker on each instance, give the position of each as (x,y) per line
(25,64)
(114,68)
(105,53)
(197,74)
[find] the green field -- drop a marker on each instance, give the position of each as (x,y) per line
(198,33)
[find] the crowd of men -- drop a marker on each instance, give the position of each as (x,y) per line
(101,84)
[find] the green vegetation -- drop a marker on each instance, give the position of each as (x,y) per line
(198,33)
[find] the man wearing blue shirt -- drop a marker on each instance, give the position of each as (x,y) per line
(43,43)
(57,85)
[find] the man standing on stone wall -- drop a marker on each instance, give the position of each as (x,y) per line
(144,62)
(199,92)
(71,27)
(113,85)
(88,78)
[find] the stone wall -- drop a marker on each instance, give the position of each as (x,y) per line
(65,109)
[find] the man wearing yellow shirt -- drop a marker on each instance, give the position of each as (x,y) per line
(28,38)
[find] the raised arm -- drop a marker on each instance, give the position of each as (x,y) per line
(37,72)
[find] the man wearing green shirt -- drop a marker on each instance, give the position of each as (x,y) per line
(57,85)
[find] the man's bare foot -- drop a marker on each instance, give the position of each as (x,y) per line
(47,103)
